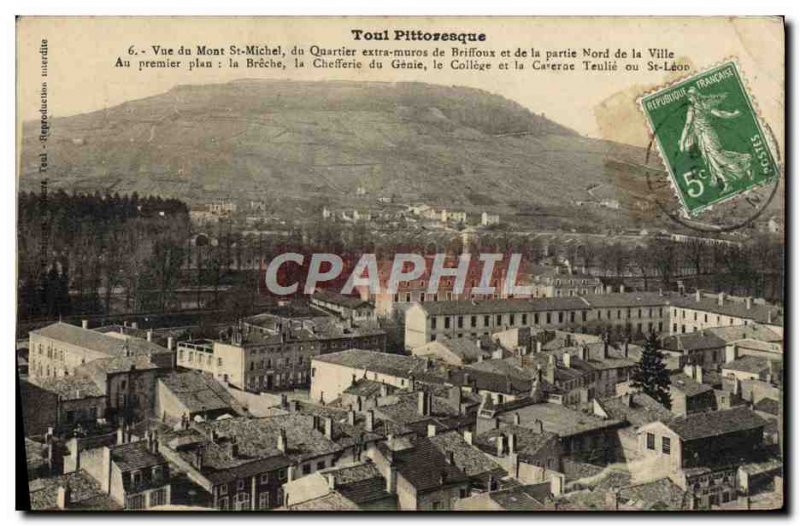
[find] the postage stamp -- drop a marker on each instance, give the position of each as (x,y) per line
(710,137)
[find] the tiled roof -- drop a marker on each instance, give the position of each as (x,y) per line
(522,498)
(394,364)
(257,438)
(687,385)
(71,387)
(135,455)
(627,299)
(528,442)
(467,457)
(558,419)
(351,302)
(747,364)
(715,423)
(661,494)
(768,405)
(199,392)
(760,313)
(498,306)
(426,468)
(99,342)
(85,493)
(641,410)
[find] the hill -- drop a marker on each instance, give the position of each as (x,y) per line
(282,140)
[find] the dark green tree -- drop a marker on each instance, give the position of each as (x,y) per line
(650,375)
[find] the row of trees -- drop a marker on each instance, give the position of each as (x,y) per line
(75,251)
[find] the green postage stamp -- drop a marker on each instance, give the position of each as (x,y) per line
(710,137)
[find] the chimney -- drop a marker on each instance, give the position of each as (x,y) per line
(282,443)
(608,289)
(697,295)
(198,459)
(769,316)
(748,302)
(233,449)
(557,484)
(120,435)
(621,289)
(698,374)
(455,397)
(737,387)
(384,390)
(538,426)
(612,499)
(431,430)
(84,324)
(422,404)
(720,298)
(584,353)
(331,482)
(370,425)
(150,335)
(516,419)
(468,437)
(135,325)
(451,458)
(64,496)
(567,359)
(328,428)
(391,480)
(605,348)
(170,343)
(626,347)
(512,443)
(351,418)
(501,445)
(627,399)
(538,346)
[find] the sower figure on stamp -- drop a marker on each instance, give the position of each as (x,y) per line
(723,165)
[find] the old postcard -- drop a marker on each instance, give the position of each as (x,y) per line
(392,264)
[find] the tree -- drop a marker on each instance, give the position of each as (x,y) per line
(650,375)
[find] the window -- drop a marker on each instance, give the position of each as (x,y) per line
(158,497)
(136,477)
(321,464)
(265,478)
(447,323)
(437,505)
(282,475)
(433,322)
(499,320)
(263,501)
(665,445)
(463,493)
(240,485)
(461,322)
(651,441)
(223,490)
(306,469)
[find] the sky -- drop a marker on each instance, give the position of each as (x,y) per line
(82,53)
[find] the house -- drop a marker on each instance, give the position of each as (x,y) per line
(526,454)
(359,486)
(60,348)
(192,393)
(455,352)
(688,393)
(242,462)
(753,368)
(71,492)
(346,307)
(482,471)
(705,439)
(420,475)
(488,219)
(581,436)
(133,474)
(73,401)
(530,497)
